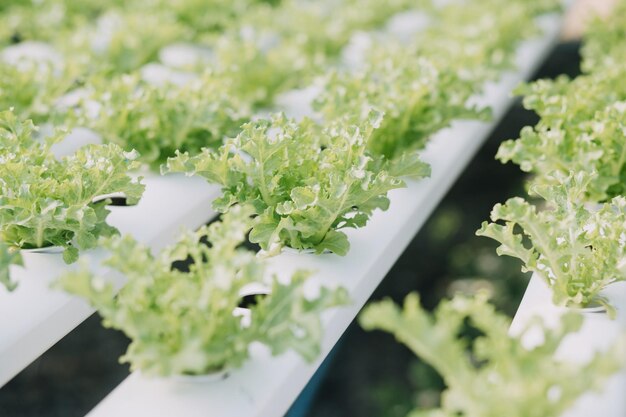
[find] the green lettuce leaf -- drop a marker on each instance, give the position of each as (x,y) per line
(8,257)
(577,250)
(416,99)
(159,120)
(49,202)
(605,41)
(582,128)
(120,41)
(493,375)
(487,46)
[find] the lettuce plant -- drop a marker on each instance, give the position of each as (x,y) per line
(417,99)
(48,202)
(32,89)
(27,91)
(421,87)
(324,27)
(183,322)
(159,120)
(493,375)
(55,20)
(605,41)
(257,64)
(576,250)
(121,41)
(276,49)
(207,17)
(483,44)
(305,183)
(582,128)
(26,20)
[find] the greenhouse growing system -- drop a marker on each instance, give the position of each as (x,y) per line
(203,203)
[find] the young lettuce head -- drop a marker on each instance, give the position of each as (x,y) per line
(605,41)
(582,128)
(417,99)
(304,182)
(159,120)
(46,201)
(493,375)
(578,251)
(184,323)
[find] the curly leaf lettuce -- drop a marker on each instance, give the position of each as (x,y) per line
(493,375)
(605,41)
(424,84)
(182,323)
(304,182)
(487,46)
(8,257)
(578,251)
(582,128)
(274,49)
(49,202)
(210,17)
(120,41)
(29,91)
(287,304)
(159,120)
(33,21)
(416,98)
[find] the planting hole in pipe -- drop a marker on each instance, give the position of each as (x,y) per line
(113,199)
(250,300)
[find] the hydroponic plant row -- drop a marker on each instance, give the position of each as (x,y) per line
(302,180)
(59,217)
(577,155)
(577,152)
(36,318)
(572,241)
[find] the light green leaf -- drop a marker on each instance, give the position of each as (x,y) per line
(577,250)
(492,375)
(335,242)
(184,322)
(8,257)
(304,182)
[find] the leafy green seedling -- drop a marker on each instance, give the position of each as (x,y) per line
(582,128)
(157,121)
(305,183)
(182,323)
(578,251)
(48,202)
(493,375)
